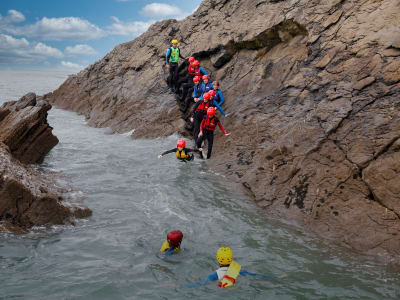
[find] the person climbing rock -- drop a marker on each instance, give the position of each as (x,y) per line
(193,71)
(182,153)
(206,86)
(189,100)
(228,272)
(172,61)
(185,78)
(198,113)
(212,99)
(173,242)
(218,98)
(207,128)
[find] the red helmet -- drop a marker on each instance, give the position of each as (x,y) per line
(196,79)
(206,96)
(181,143)
(212,93)
(211,111)
(175,237)
(191,59)
(216,82)
(196,63)
(206,77)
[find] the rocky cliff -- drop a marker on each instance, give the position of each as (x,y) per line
(27,197)
(312,90)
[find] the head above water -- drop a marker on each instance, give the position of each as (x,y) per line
(181,143)
(224,256)
(174,238)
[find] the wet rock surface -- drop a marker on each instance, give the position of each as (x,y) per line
(312,92)
(27,197)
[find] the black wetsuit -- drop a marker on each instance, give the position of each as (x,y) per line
(183,155)
(198,113)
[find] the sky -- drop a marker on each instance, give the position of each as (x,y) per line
(72,34)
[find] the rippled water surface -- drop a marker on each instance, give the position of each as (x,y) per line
(136,199)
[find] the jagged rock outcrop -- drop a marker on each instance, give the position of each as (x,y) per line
(312,90)
(24,128)
(27,197)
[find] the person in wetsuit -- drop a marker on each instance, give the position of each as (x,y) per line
(229,270)
(173,242)
(213,96)
(182,153)
(207,128)
(189,100)
(172,60)
(198,113)
(193,71)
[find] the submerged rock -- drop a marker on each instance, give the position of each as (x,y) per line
(312,89)
(29,198)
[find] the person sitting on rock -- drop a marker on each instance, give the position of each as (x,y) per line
(193,71)
(212,99)
(173,243)
(218,98)
(182,153)
(206,86)
(172,61)
(207,128)
(228,272)
(198,112)
(189,100)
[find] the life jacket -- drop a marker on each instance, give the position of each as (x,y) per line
(182,154)
(210,123)
(166,246)
(228,275)
(203,106)
(174,55)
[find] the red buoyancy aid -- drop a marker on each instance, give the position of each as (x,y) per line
(194,71)
(203,106)
(210,123)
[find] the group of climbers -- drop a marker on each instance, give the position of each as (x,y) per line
(195,87)
(228,271)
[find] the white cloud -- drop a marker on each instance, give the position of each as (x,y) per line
(55,29)
(161,10)
(48,51)
(13,16)
(71,65)
(80,50)
(9,42)
(128,28)
(21,51)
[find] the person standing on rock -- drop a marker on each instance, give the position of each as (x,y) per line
(213,96)
(198,113)
(193,71)
(207,128)
(206,86)
(190,99)
(172,61)
(218,98)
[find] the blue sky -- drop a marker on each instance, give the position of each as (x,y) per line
(61,34)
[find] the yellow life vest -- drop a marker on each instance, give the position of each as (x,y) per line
(182,154)
(231,275)
(166,246)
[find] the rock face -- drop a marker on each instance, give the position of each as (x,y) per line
(28,198)
(312,89)
(24,128)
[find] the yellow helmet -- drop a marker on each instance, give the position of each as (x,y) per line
(174,42)
(224,256)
